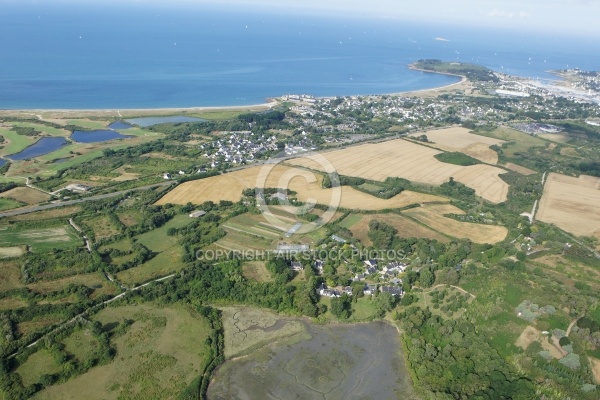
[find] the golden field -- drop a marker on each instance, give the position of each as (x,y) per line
(412,161)
(572,204)
(461,140)
(432,215)
(306,183)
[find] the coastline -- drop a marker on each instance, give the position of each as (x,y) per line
(269,104)
(435,91)
(133,112)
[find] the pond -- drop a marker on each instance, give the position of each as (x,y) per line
(149,121)
(102,135)
(119,125)
(2,162)
(335,361)
(43,146)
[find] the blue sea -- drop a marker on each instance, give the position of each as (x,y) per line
(82,56)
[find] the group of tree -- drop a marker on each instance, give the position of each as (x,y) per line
(448,359)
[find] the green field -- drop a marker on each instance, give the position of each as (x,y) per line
(157,240)
(158,355)
(519,142)
(43,128)
(88,124)
(7,203)
(165,263)
(218,115)
(17,142)
(41,240)
(350,221)
(102,226)
(38,364)
(80,344)
(168,259)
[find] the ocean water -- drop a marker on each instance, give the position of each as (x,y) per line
(82,56)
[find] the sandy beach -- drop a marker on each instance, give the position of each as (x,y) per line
(130,113)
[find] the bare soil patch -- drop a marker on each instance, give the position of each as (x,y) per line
(528,336)
(12,251)
(572,204)
(49,235)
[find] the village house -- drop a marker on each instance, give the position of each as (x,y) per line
(325,292)
(393,290)
(296,266)
(370,289)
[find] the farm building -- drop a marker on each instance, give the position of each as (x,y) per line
(78,187)
(197,214)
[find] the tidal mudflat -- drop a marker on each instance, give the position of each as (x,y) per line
(335,361)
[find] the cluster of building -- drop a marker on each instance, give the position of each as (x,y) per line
(534,128)
(238,147)
(388,274)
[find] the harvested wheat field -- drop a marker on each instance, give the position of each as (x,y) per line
(405,159)
(572,204)
(460,139)
(306,183)
(26,195)
(432,215)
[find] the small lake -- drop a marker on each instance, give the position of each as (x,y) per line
(149,121)
(358,361)
(43,146)
(102,135)
(119,125)
(61,160)
(2,162)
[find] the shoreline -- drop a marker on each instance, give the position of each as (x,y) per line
(148,111)
(122,113)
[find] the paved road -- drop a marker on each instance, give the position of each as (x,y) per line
(26,210)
